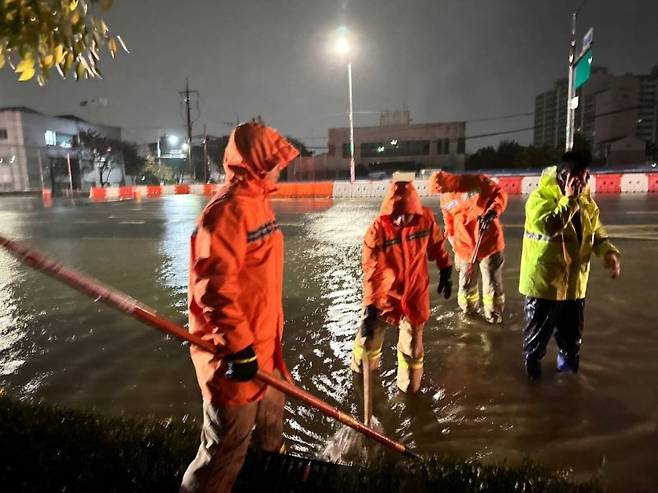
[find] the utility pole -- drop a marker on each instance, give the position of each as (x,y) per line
(186,94)
(205,153)
(351,119)
(572,101)
(571,111)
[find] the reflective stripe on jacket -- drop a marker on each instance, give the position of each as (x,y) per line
(554,263)
(395,275)
(236,267)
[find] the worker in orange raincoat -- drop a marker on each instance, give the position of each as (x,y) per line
(472,205)
(396,280)
(234,300)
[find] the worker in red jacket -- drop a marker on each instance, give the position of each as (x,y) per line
(471,206)
(234,300)
(396,281)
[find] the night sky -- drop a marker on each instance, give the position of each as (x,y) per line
(443,59)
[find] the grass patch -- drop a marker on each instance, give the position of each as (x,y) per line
(46,449)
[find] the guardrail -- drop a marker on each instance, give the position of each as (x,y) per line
(513,185)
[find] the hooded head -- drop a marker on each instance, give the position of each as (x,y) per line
(254,150)
(444,182)
(401,198)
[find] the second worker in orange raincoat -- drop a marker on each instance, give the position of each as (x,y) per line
(472,205)
(396,281)
(235,300)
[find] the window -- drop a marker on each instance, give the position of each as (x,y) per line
(461,145)
(59,139)
(50,138)
(65,140)
(3,134)
(346,150)
(395,148)
(443,146)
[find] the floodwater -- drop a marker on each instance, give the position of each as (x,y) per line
(60,346)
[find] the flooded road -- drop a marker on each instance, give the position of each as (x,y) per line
(58,345)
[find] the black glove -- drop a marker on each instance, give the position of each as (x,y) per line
(369,321)
(445,282)
(243,365)
(486,219)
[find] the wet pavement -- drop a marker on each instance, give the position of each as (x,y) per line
(58,345)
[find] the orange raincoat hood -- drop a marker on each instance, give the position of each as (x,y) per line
(401,198)
(444,182)
(257,149)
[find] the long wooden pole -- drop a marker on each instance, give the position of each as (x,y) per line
(134,308)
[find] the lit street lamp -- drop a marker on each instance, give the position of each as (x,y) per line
(343,48)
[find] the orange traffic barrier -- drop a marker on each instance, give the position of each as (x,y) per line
(126,193)
(98,194)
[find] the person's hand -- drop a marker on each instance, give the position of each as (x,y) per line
(243,365)
(445,282)
(573,186)
(611,261)
(486,219)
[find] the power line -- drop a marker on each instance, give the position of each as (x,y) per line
(504,117)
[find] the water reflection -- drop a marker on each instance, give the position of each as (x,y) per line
(179,213)
(475,401)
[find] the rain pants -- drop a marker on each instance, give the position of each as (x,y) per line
(464,198)
(396,279)
(235,299)
(559,238)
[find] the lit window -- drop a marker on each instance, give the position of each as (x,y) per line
(400,148)
(64,140)
(51,138)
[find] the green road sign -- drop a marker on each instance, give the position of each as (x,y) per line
(583,69)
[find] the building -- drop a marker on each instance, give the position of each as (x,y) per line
(551,115)
(617,114)
(36,147)
(395,144)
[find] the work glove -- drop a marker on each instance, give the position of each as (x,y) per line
(445,282)
(611,261)
(486,219)
(369,321)
(243,365)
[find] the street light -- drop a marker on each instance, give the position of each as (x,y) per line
(172,140)
(343,48)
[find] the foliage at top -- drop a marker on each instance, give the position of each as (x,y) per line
(511,154)
(38,36)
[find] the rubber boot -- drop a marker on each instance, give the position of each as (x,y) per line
(567,363)
(533,368)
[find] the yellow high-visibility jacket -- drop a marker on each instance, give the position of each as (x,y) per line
(554,264)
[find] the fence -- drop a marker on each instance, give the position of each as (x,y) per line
(513,185)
